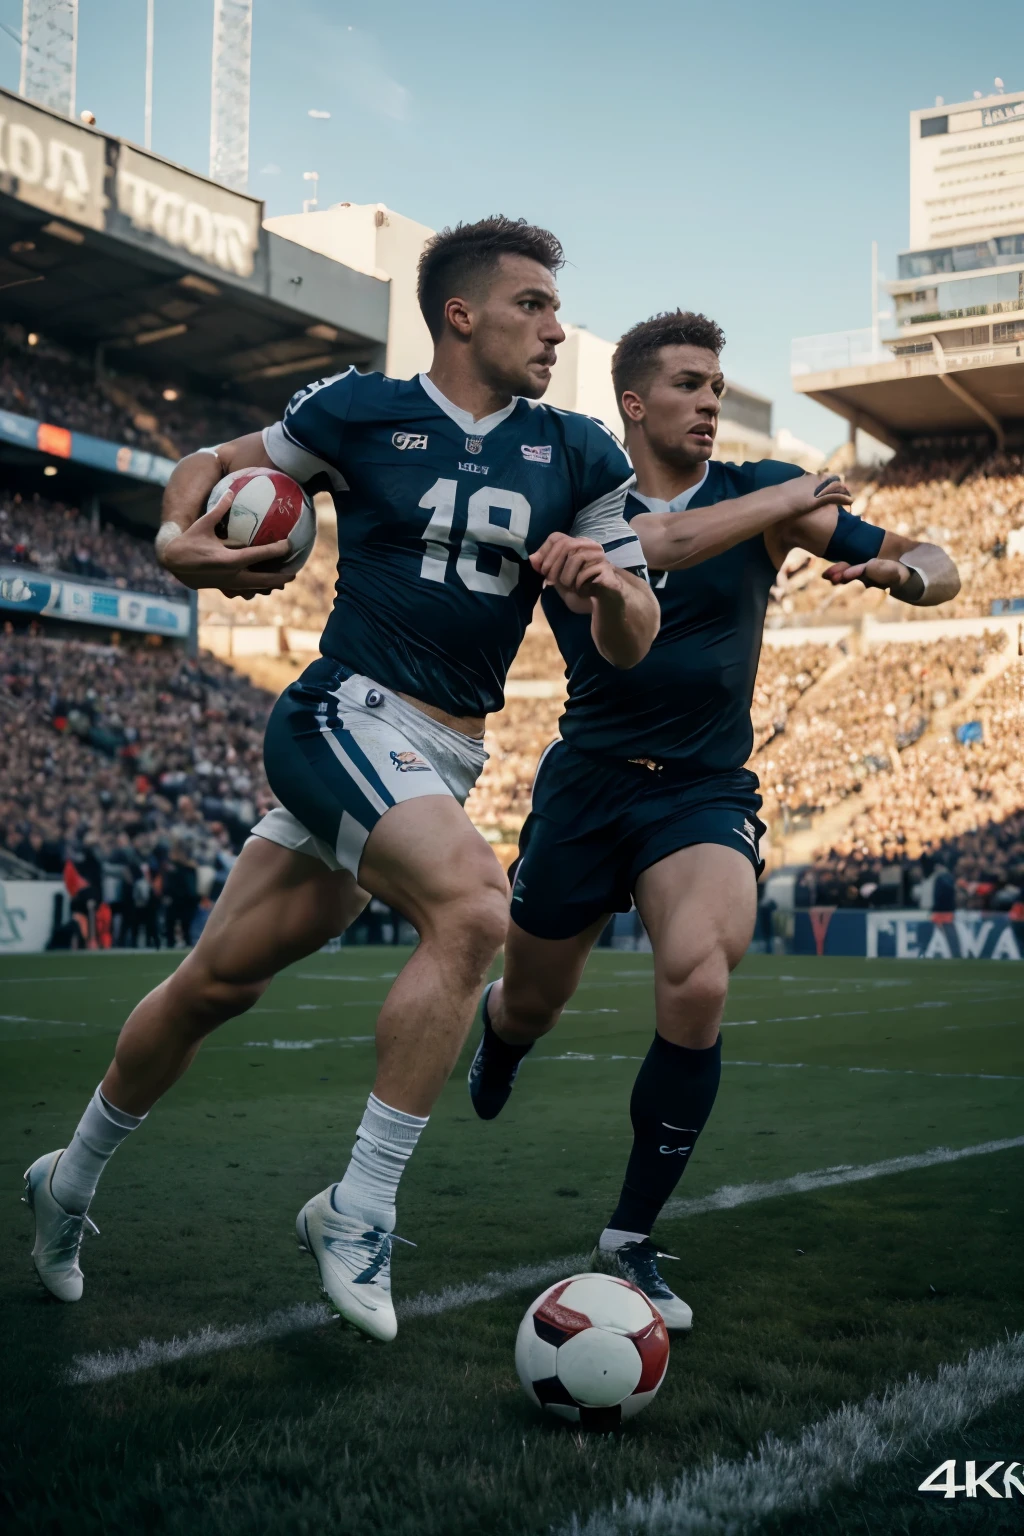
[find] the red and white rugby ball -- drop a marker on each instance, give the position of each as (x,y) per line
(268,505)
(592,1349)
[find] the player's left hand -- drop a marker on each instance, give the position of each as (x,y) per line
(889,574)
(578,569)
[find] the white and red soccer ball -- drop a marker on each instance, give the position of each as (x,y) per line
(593,1350)
(268,505)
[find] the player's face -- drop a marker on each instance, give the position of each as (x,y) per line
(515,327)
(682,405)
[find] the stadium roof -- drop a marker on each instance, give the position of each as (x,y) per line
(922,394)
(105,245)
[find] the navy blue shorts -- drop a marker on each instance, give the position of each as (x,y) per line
(596,825)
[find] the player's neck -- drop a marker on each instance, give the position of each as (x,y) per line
(658,479)
(461,385)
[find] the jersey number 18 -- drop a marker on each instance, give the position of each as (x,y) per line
(440,500)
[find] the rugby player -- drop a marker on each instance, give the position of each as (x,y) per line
(458,496)
(645,797)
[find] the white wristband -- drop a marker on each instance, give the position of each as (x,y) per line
(166,534)
(938,574)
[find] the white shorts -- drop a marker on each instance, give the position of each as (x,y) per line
(341,750)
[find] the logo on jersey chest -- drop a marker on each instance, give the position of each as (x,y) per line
(404,440)
(539,454)
(474,445)
(474,469)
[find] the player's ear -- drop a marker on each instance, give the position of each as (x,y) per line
(632,405)
(456,314)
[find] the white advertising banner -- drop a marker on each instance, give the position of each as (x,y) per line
(167,206)
(50,163)
(26,914)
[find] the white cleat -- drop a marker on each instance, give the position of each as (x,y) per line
(638,1263)
(354,1261)
(59,1232)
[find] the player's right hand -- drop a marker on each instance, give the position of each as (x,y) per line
(808,492)
(199,558)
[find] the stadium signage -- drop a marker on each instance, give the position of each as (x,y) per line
(912,935)
(27,912)
(161,204)
(105,184)
(25,590)
(82,448)
(50,163)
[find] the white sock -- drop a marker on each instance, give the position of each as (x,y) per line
(100,1132)
(612,1238)
(385,1141)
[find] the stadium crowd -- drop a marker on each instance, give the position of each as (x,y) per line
(131,771)
(859,727)
(48,383)
(47,536)
(953,495)
(951,817)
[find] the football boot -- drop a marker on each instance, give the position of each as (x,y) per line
(59,1232)
(638,1263)
(354,1260)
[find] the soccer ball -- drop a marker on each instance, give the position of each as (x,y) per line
(593,1350)
(268,506)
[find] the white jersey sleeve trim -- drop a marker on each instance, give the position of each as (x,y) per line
(603,520)
(294,460)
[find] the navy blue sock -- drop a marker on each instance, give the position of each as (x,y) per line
(672,1098)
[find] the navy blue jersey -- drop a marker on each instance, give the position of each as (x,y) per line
(687,704)
(437,514)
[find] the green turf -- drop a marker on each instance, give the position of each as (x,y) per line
(801,1303)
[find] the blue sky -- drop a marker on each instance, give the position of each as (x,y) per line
(737,157)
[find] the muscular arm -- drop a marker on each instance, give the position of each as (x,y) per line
(920,574)
(625,615)
(672,541)
(187,544)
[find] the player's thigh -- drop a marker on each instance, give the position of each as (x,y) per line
(277,906)
(699,906)
(425,857)
(540,975)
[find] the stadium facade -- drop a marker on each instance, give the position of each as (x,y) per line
(953,362)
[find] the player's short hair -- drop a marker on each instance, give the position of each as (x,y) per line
(636,356)
(456,258)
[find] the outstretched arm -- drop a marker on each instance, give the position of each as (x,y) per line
(187,544)
(674,540)
(625,615)
(920,574)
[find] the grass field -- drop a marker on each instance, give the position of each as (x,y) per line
(806,1294)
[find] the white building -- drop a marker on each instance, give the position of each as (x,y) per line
(371,238)
(953,359)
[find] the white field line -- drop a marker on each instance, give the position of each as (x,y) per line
(728,1498)
(103,1365)
(732,1195)
(30,1018)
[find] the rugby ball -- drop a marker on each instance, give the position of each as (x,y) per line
(593,1350)
(268,505)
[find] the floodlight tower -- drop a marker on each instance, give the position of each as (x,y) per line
(49,43)
(229,108)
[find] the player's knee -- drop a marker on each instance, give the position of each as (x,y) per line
(694,994)
(486,919)
(471,926)
(211,998)
(534,999)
